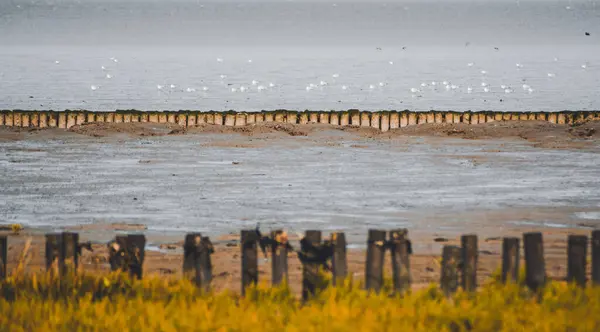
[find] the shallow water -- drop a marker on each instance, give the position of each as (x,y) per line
(52,53)
(186,183)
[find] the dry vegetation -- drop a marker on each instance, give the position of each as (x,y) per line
(44,302)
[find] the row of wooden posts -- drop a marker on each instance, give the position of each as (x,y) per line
(383,120)
(459,264)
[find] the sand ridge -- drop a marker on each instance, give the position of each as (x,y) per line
(541,133)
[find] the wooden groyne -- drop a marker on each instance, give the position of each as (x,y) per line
(383,120)
(458,263)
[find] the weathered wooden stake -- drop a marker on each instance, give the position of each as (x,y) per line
(279,255)
(339,263)
(451,257)
(596,257)
(469,262)
(510,259)
(69,254)
(248,242)
(135,249)
(375,256)
(206,262)
(192,268)
(53,249)
(577,255)
(310,269)
(117,255)
(400,259)
(3,254)
(535,266)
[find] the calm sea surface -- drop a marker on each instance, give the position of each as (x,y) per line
(253,55)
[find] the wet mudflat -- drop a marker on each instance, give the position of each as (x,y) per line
(220,180)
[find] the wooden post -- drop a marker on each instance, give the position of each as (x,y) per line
(3,252)
(365,119)
(375,256)
(197,265)
(118,254)
(339,263)
(206,262)
(451,257)
(192,247)
(291,117)
(510,259)
(69,254)
(135,250)
(52,119)
(310,270)
(596,257)
(249,259)
(400,260)
(344,118)
(43,117)
(355,118)
(334,118)
(469,262)
(53,248)
(577,255)
(279,255)
(535,267)
(303,117)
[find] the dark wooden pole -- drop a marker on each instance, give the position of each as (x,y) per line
(375,256)
(69,252)
(310,268)
(53,252)
(136,244)
(279,255)
(339,262)
(3,255)
(577,255)
(249,247)
(510,259)
(596,257)
(535,266)
(451,257)
(118,254)
(400,260)
(192,247)
(469,262)
(206,262)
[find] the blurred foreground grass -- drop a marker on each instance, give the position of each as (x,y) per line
(118,303)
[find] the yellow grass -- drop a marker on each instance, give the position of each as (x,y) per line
(117,303)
